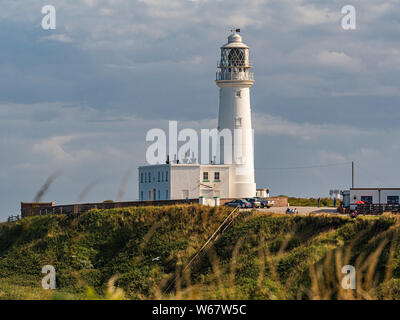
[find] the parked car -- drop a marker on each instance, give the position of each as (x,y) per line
(255,203)
(239,202)
(264,203)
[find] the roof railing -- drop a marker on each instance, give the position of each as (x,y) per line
(226,75)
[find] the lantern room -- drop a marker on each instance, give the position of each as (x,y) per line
(235,62)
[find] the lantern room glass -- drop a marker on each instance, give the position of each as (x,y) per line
(234,57)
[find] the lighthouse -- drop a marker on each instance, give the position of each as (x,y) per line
(235,80)
(229,172)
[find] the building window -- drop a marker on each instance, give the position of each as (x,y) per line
(166,176)
(159,176)
(166,194)
(141,196)
(216,176)
(145,177)
(238,122)
(149,177)
(366,199)
(205,176)
(393,200)
(141,177)
(159,195)
(238,94)
(162,176)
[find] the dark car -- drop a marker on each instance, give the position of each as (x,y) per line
(255,203)
(239,202)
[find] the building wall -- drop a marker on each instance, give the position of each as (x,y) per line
(75,209)
(218,187)
(279,201)
(185,181)
(379,196)
(262,193)
(159,188)
(29,208)
(386,193)
(355,195)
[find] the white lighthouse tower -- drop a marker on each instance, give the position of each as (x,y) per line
(234,80)
(232,176)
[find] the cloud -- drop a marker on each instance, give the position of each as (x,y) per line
(54,149)
(337,59)
(82,97)
(64,38)
(278,126)
(311,15)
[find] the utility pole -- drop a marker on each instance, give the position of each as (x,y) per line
(352,174)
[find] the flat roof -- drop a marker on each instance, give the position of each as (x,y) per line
(184,165)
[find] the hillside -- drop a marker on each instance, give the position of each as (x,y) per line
(140,249)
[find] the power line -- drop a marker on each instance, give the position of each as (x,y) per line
(308,167)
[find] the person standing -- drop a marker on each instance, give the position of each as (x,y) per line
(319,200)
(334,202)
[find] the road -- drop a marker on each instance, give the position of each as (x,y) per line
(302,210)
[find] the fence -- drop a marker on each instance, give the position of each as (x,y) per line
(75,209)
(377,209)
(14,218)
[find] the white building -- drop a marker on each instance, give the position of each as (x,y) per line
(184,181)
(370,195)
(233,176)
(262,193)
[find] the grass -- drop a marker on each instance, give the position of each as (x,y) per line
(311,202)
(134,253)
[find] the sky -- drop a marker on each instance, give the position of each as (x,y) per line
(79,100)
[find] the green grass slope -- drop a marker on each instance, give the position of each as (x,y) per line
(111,254)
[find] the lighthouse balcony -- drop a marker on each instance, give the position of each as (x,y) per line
(232,75)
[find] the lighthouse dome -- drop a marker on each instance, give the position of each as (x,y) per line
(234,38)
(235,41)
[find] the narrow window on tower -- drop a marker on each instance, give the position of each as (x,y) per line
(238,94)
(238,122)
(205,176)
(216,176)
(159,174)
(141,177)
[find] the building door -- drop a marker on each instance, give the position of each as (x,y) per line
(208,193)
